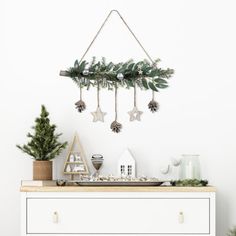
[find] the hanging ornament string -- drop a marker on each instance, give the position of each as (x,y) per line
(115,125)
(80,89)
(80,105)
(98,115)
(125,23)
(116,104)
(98,95)
(135,114)
(153,95)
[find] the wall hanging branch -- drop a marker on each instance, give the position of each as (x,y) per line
(142,74)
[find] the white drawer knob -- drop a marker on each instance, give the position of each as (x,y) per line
(55,217)
(181,217)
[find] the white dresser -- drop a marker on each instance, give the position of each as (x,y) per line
(160,211)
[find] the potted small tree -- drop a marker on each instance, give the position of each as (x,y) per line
(43,146)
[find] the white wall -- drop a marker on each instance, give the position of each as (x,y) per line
(198,111)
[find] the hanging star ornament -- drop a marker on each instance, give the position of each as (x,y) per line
(98,115)
(135,114)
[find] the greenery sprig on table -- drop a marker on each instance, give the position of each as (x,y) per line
(189,183)
(125,74)
(44,144)
(232,232)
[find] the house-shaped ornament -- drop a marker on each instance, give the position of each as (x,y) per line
(126,165)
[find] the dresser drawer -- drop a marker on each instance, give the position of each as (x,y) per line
(118,216)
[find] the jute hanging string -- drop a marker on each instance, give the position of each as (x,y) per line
(100,29)
(135,114)
(143,74)
(115,125)
(98,115)
(80,105)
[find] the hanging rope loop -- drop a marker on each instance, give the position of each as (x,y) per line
(127,26)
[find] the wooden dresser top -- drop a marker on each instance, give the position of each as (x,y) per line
(117,189)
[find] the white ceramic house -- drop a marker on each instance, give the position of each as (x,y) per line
(126,164)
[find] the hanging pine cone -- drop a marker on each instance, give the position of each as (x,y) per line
(80,105)
(153,106)
(116,127)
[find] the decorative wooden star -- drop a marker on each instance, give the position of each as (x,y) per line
(135,114)
(140,72)
(98,115)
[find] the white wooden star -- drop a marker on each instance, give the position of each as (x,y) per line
(135,114)
(140,72)
(98,115)
(139,67)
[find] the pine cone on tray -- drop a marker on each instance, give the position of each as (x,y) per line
(153,106)
(80,106)
(116,126)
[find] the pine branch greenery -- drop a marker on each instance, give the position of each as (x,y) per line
(232,232)
(189,183)
(43,144)
(143,73)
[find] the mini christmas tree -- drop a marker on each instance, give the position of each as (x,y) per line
(44,144)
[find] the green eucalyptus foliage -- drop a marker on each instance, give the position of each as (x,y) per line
(43,144)
(232,232)
(144,74)
(189,183)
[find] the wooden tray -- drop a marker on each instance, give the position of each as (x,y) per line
(118,183)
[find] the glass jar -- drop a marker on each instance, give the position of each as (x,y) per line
(190,167)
